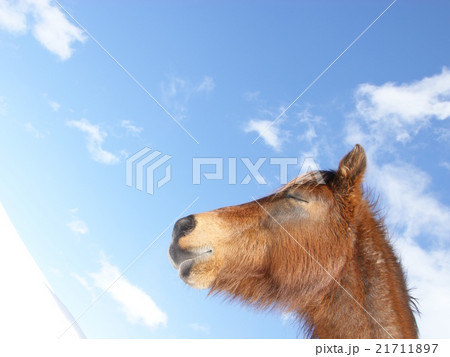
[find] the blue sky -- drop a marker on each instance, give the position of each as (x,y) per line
(70,116)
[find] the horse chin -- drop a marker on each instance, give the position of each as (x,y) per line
(197,284)
(198,273)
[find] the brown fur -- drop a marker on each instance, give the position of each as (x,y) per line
(328,260)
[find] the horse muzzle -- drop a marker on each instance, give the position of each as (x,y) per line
(184,259)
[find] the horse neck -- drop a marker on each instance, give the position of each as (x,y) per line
(379,305)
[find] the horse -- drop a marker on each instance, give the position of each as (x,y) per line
(316,248)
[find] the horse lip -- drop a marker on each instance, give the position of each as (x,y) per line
(192,256)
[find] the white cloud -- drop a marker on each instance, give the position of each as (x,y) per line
(134,302)
(95,138)
(199,328)
(429,277)
(82,281)
(269,129)
(48,25)
(270,133)
(413,207)
(399,111)
(78,226)
(130,128)
(12,17)
(207,85)
(54,105)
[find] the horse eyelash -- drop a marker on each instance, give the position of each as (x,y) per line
(296,198)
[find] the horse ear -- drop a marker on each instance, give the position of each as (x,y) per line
(351,169)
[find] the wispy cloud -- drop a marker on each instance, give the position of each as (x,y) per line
(313,144)
(445,164)
(207,85)
(95,138)
(251,96)
(137,305)
(48,25)
(271,134)
(176,93)
(173,86)
(82,281)
(443,134)
(130,128)
(35,132)
(77,225)
(87,285)
(199,328)
(54,105)
(400,111)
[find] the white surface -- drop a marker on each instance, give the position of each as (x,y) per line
(29,309)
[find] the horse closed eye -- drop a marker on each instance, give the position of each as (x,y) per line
(297,198)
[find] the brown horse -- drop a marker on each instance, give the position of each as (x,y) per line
(314,248)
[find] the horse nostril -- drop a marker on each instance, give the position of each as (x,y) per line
(183,227)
